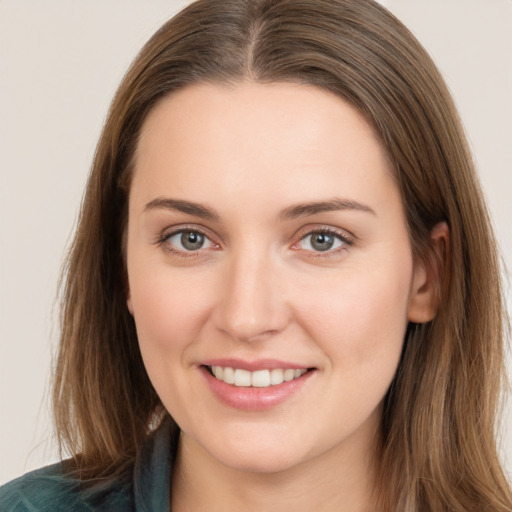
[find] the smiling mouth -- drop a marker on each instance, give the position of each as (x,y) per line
(257,379)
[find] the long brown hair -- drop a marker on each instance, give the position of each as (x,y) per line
(438,449)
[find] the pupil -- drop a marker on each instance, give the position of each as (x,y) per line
(322,241)
(192,240)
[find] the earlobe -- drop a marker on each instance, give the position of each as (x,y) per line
(129,304)
(127,292)
(428,277)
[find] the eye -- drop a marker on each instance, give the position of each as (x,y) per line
(187,240)
(322,241)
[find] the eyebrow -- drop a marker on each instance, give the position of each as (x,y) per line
(291,212)
(314,207)
(179,205)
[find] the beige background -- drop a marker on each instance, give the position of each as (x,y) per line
(60,63)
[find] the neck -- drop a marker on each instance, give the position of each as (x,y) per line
(340,480)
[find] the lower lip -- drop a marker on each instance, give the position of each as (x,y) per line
(253,398)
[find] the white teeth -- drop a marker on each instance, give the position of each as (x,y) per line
(289,375)
(242,378)
(257,379)
(218,371)
(260,379)
(276,376)
(229,375)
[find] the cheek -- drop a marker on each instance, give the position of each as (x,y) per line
(169,309)
(361,322)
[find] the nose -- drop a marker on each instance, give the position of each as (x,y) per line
(251,303)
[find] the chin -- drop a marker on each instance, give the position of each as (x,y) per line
(257,450)
(263,461)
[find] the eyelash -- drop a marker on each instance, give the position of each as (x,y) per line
(166,236)
(344,237)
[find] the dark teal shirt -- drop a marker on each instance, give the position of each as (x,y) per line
(50,490)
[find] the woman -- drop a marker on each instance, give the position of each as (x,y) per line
(283,290)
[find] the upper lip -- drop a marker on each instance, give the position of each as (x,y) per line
(252,366)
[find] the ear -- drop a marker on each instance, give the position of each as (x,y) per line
(428,276)
(128,294)
(129,302)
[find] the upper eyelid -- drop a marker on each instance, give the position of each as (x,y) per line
(298,235)
(164,237)
(174,230)
(326,232)
(345,243)
(322,228)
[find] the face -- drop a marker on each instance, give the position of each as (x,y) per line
(270,272)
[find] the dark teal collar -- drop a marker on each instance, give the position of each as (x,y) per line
(153,469)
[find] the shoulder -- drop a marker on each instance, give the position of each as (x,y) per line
(50,489)
(43,489)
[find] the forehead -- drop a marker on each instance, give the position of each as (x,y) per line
(297,139)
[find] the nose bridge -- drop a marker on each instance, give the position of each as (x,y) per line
(251,303)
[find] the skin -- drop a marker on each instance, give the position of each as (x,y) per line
(259,289)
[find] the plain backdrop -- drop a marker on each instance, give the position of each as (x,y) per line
(60,63)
